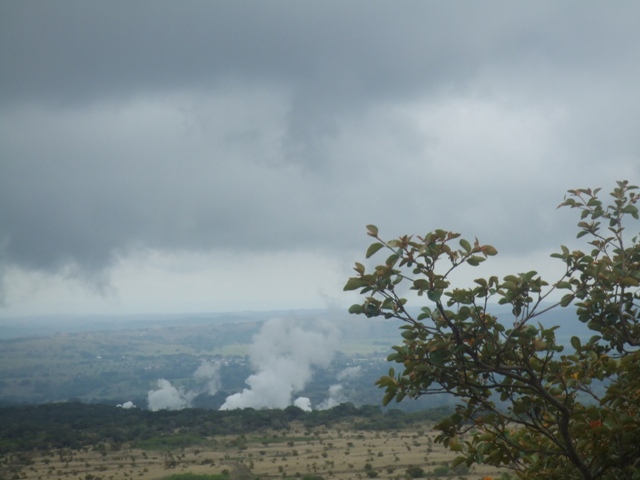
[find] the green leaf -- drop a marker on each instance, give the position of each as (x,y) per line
(434,295)
(392,260)
(408,335)
(456,447)
(631,210)
(373,248)
(575,343)
(489,250)
(438,358)
(372,230)
(520,407)
(440,283)
(566,300)
(355,309)
(629,282)
(465,245)
(354,283)
(475,260)
(390,395)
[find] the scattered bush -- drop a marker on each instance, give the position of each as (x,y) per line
(413,471)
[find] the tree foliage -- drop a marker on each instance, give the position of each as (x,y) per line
(77,425)
(526,402)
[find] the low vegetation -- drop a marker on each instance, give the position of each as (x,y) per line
(77,425)
(110,443)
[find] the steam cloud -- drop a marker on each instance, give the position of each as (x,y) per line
(303,403)
(168,397)
(335,398)
(283,355)
(336,391)
(349,373)
(209,373)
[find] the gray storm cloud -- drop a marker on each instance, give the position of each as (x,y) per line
(269,127)
(283,356)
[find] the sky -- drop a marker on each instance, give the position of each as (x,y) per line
(207,156)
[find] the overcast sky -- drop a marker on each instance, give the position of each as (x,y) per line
(191,156)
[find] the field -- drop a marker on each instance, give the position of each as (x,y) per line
(339,452)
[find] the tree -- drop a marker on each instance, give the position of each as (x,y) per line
(526,402)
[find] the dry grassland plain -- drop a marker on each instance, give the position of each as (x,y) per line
(339,453)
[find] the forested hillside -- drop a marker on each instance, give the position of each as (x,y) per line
(77,425)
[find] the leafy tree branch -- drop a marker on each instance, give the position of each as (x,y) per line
(524,403)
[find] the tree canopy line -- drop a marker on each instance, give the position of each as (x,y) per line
(77,425)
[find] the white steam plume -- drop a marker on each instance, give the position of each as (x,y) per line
(210,374)
(283,355)
(335,398)
(303,403)
(168,397)
(349,373)
(336,392)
